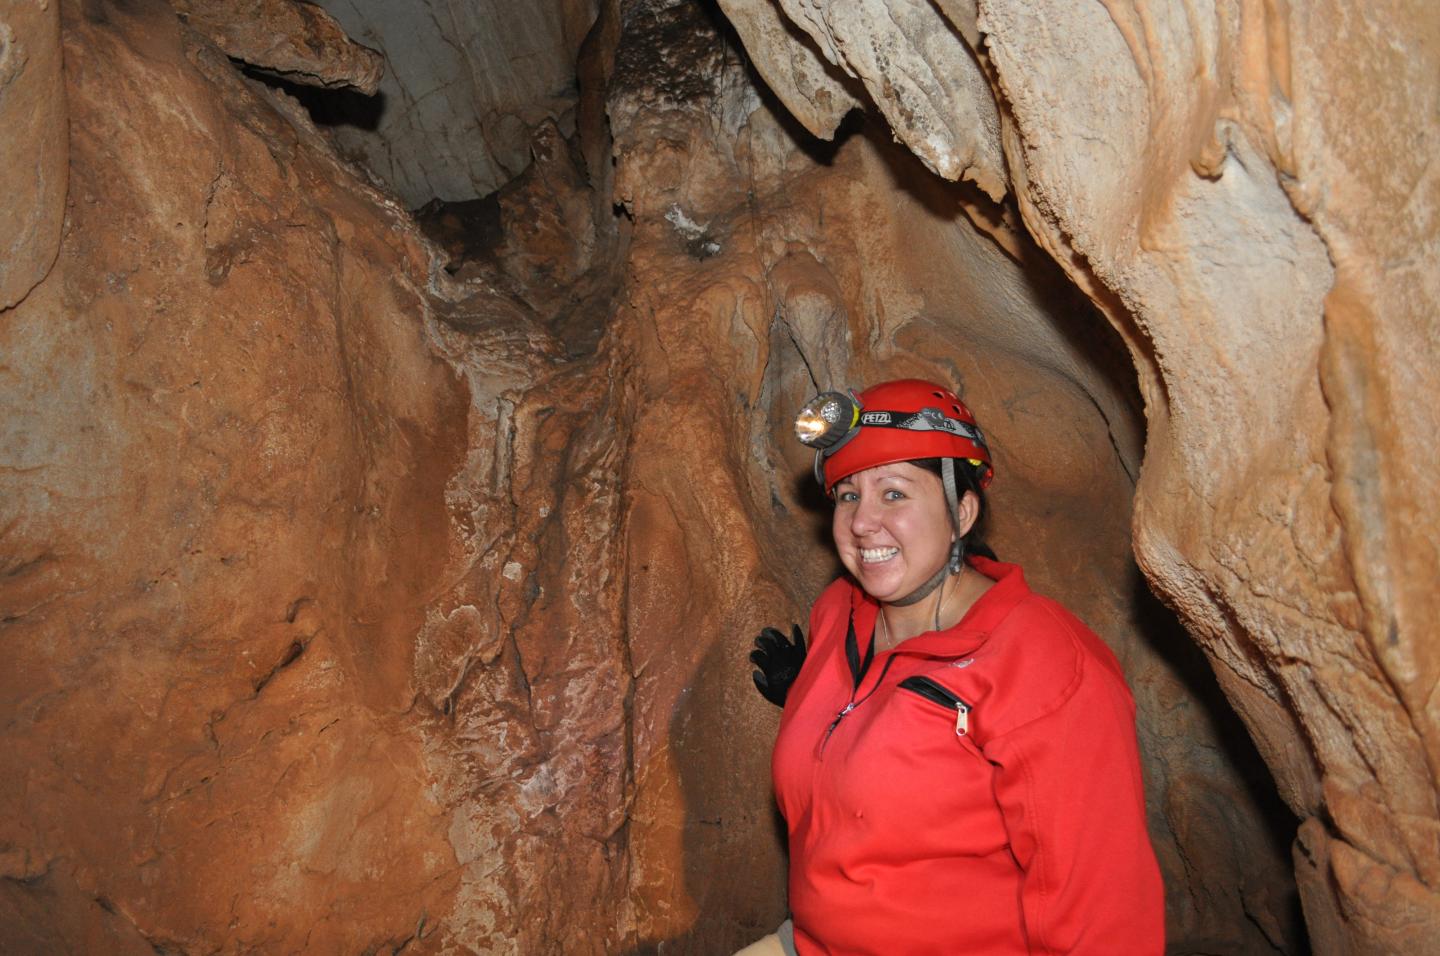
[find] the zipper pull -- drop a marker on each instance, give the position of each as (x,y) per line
(839,717)
(962,718)
(825,739)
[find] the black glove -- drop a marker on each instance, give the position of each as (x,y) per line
(779,660)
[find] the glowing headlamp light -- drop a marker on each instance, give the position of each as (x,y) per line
(827,419)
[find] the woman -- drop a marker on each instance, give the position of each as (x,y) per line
(956,761)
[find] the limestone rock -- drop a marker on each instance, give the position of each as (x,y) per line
(298,41)
(811,88)
(354,603)
(312,635)
(33,161)
(1212,181)
(465,88)
(911,59)
(223,437)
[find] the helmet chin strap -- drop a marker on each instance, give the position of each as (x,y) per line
(924,590)
(956,562)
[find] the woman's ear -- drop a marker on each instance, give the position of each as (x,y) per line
(967,512)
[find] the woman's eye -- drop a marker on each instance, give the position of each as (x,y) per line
(847,496)
(894,495)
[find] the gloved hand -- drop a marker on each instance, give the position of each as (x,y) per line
(779,660)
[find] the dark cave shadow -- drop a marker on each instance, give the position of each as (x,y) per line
(941,198)
(1161,630)
(813,501)
(1096,343)
(327,107)
(721,735)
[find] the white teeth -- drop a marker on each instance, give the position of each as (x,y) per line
(876,555)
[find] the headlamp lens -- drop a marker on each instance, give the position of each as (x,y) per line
(826,419)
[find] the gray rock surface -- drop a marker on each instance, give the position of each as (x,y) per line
(465,86)
(909,56)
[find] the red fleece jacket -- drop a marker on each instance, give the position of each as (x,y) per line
(990,805)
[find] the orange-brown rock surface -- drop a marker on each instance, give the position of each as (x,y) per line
(359,597)
(1240,187)
(226,440)
(33,159)
(298,41)
(849,264)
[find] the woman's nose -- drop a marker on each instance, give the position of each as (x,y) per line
(864,519)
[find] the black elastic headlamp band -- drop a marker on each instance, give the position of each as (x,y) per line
(925,420)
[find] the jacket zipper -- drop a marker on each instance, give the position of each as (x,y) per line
(853,703)
(935,693)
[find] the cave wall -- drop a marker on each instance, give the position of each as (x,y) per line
(350,605)
(311,631)
(762,263)
(225,445)
(33,159)
(1238,186)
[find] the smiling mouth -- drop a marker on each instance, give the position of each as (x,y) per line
(877,555)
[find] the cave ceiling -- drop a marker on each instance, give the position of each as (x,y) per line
(464,88)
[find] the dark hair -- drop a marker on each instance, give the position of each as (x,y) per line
(967,478)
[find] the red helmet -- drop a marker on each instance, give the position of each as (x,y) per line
(893,421)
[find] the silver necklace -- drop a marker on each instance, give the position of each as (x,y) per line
(935,621)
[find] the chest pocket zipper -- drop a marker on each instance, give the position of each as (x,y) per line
(935,693)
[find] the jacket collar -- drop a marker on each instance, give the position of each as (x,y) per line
(971,630)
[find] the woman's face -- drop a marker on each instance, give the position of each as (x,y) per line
(891,529)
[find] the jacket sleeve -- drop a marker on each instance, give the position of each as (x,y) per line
(1068,784)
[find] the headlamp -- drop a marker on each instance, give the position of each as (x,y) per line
(901,420)
(827,419)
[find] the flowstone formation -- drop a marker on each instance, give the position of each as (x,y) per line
(266,584)
(366,592)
